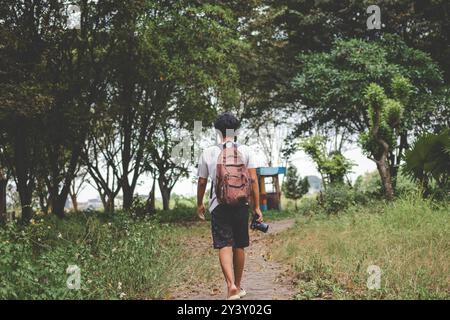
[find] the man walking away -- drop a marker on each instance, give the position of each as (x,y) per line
(232,169)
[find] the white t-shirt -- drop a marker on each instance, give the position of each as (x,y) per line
(208,162)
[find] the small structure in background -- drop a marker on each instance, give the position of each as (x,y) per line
(269,187)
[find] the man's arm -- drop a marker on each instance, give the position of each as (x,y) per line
(201,188)
(255,193)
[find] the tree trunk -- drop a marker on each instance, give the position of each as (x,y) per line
(150,207)
(25,195)
(382,158)
(108,203)
(385,175)
(25,179)
(110,208)
(3,186)
(127,192)
(425,187)
(393,169)
(165,193)
(59,204)
(74,199)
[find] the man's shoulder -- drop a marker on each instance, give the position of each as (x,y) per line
(211,150)
(245,148)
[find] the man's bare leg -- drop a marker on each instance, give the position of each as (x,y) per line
(238,265)
(226,262)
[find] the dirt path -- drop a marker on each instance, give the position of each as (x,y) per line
(264,279)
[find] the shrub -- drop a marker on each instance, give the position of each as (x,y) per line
(405,185)
(369,184)
(337,197)
(119,257)
(309,206)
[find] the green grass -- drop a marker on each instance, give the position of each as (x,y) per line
(125,258)
(119,257)
(408,239)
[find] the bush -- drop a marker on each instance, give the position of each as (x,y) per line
(119,257)
(405,185)
(309,206)
(178,214)
(369,184)
(337,197)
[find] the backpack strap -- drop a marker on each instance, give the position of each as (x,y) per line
(222,147)
(235,146)
(211,191)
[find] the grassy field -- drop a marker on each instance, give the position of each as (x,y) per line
(408,240)
(121,257)
(118,256)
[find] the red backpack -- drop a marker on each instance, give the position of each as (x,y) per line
(233,182)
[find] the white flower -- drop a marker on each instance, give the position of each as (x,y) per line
(122,295)
(119,286)
(60,235)
(49,227)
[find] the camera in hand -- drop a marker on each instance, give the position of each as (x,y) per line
(260,226)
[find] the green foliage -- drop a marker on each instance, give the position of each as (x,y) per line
(119,258)
(309,206)
(334,253)
(402,89)
(405,185)
(337,197)
(428,160)
(333,166)
(369,184)
(385,115)
(393,113)
(294,187)
(375,97)
(331,84)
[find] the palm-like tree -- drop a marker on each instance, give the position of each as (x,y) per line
(429,160)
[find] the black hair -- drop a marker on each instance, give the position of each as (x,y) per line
(226,121)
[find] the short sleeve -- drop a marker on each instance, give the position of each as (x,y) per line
(202,170)
(252,161)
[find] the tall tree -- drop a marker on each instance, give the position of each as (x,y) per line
(331,87)
(385,120)
(55,70)
(295,187)
(332,165)
(312,26)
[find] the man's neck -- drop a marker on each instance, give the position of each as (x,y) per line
(227,139)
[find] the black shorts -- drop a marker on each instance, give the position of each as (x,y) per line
(229,225)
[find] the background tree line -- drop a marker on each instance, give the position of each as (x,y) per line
(111,97)
(106,103)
